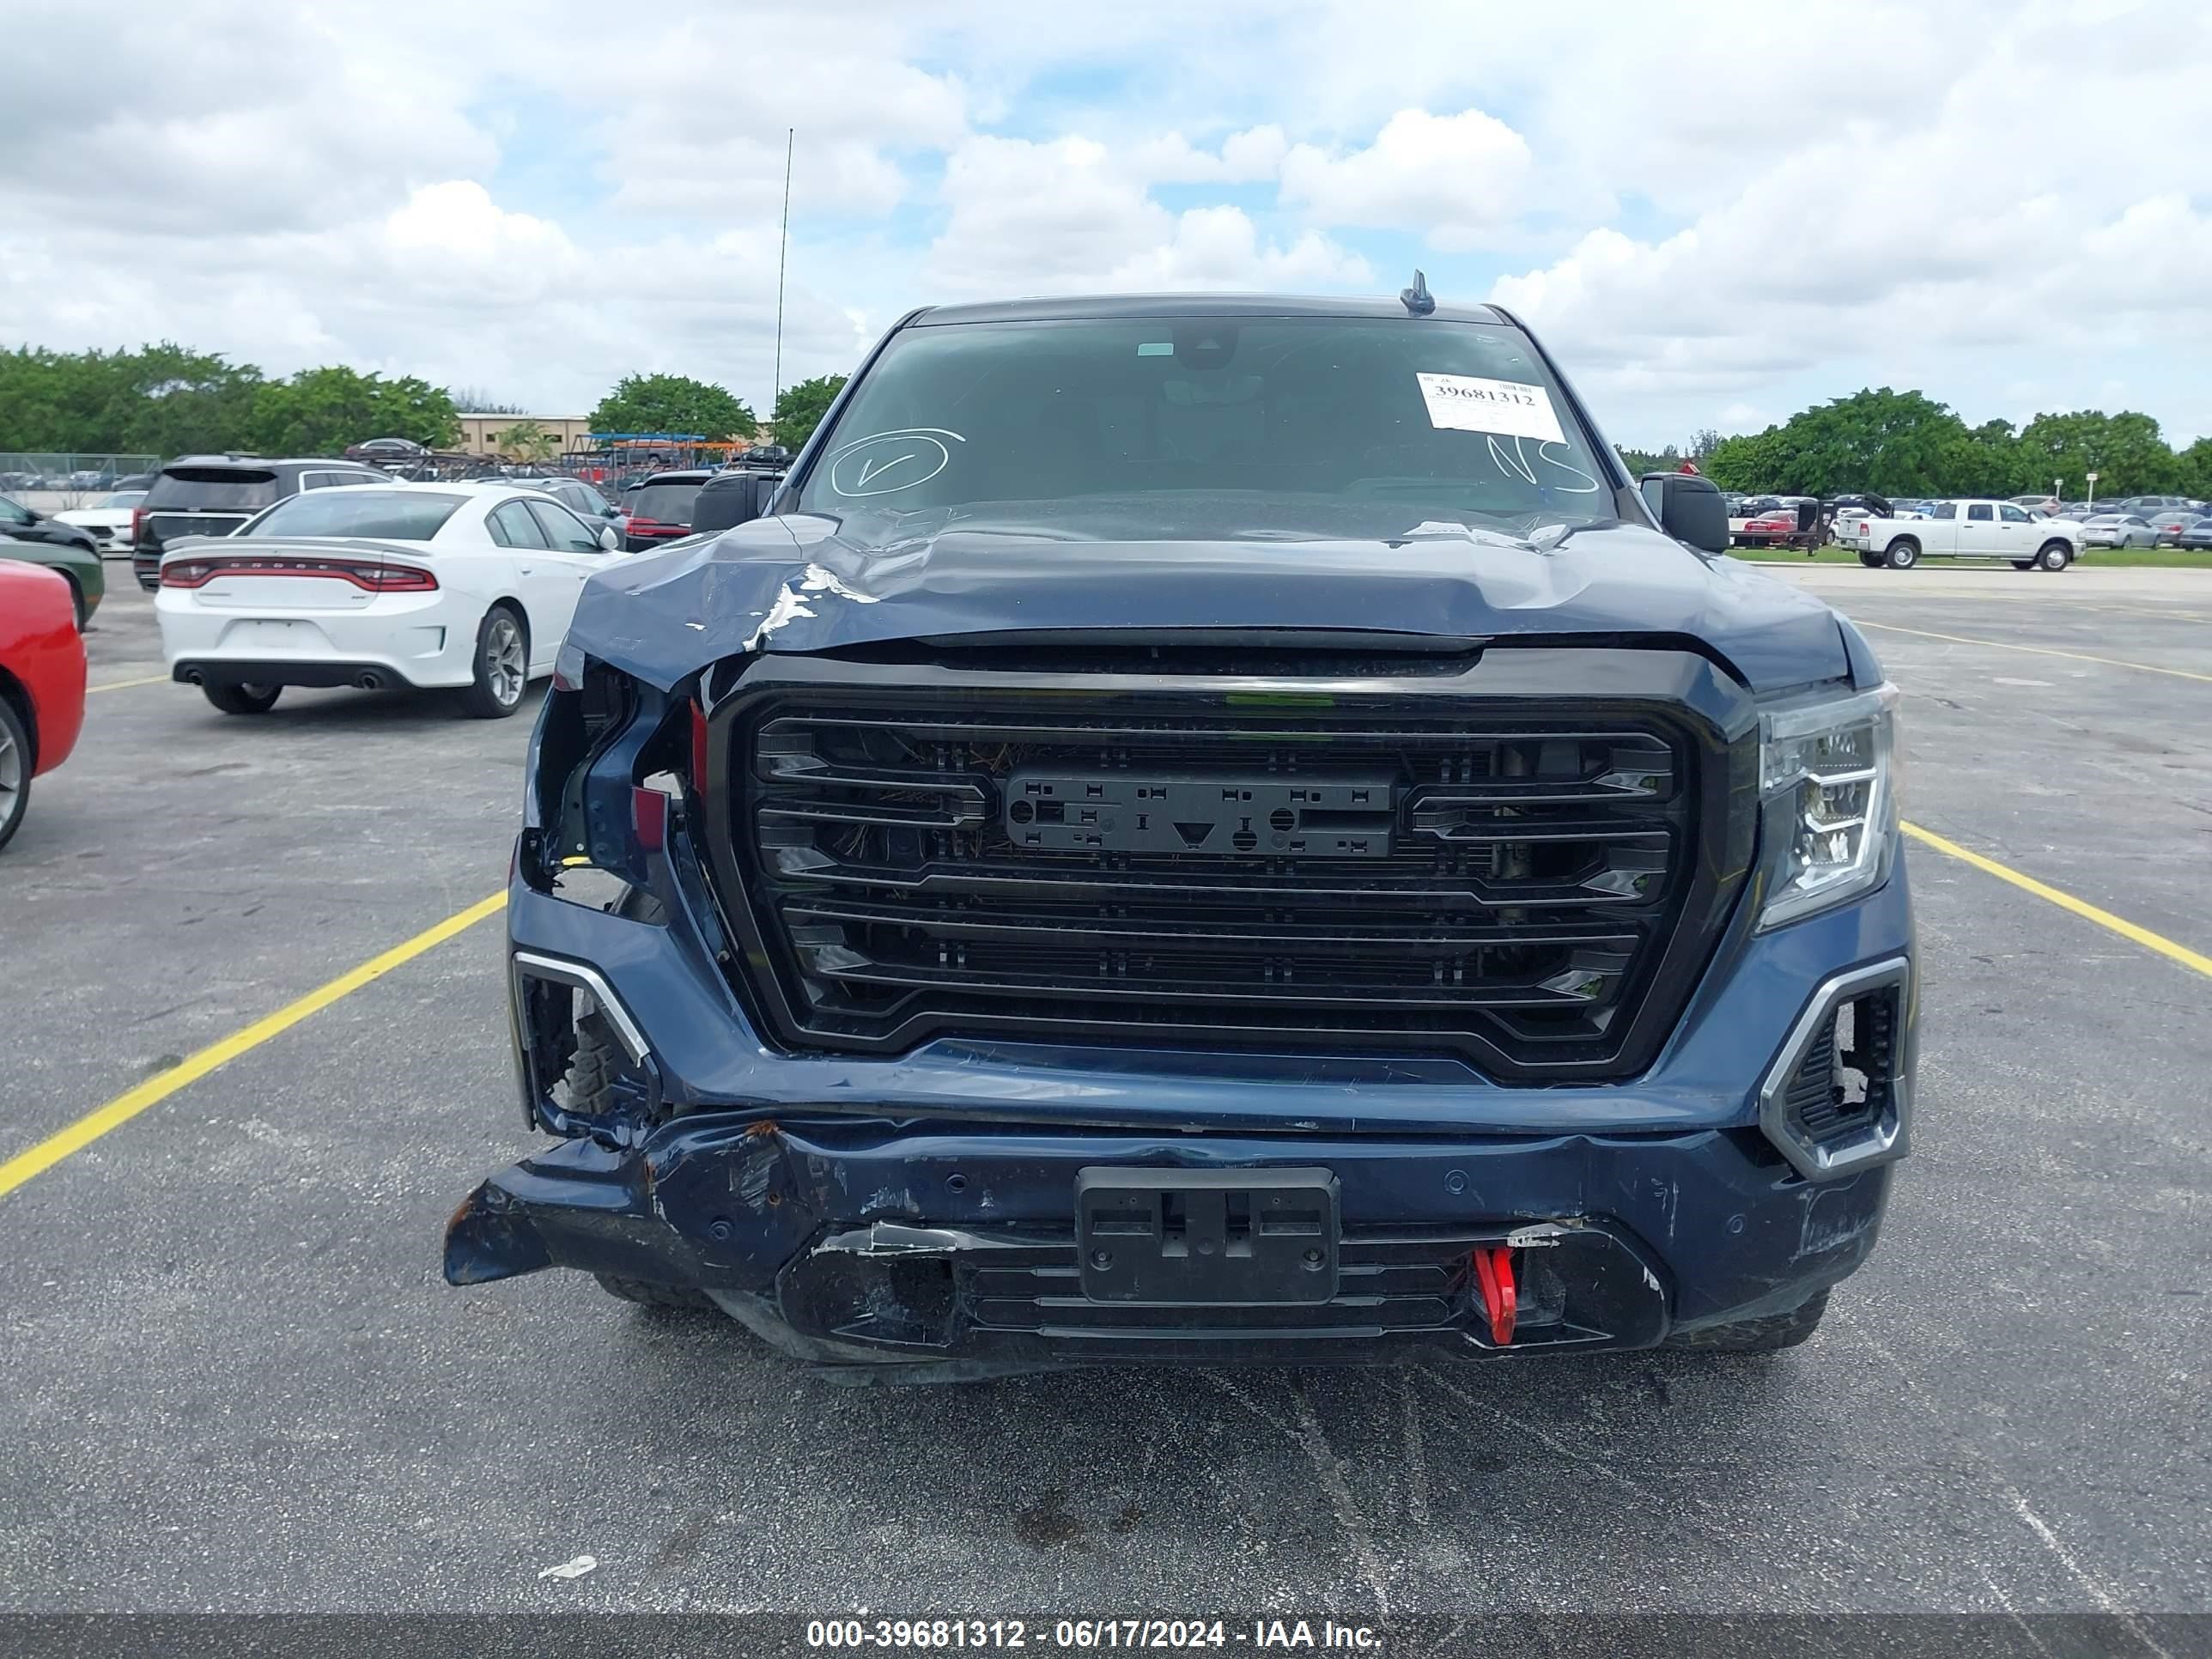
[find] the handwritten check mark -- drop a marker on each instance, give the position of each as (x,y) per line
(870,470)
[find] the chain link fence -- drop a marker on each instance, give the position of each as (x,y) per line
(55,482)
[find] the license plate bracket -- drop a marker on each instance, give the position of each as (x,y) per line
(1221,1237)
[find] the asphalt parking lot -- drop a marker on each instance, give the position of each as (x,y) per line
(235,1380)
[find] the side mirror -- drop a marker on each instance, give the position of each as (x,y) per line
(1689,508)
(610,538)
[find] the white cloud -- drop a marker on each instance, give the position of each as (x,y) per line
(1457,178)
(1246,157)
(1747,209)
(1219,247)
(1073,214)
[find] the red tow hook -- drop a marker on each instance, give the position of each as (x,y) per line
(1494,1276)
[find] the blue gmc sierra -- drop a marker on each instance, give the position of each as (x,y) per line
(1209,828)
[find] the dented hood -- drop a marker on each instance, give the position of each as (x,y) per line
(810,583)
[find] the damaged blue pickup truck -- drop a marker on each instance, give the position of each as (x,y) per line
(1209,828)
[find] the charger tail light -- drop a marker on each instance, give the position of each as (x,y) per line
(371,576)
(137,521)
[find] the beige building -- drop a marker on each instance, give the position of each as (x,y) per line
(479,432)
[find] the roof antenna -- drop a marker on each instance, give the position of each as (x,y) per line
(1418,298)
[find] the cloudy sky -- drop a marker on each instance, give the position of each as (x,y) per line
(1718,215)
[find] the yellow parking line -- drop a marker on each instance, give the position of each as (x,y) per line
(125,686)
(2126,929)
(2037,650)
(120,1110)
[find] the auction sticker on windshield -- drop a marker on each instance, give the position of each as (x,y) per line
(1468,403)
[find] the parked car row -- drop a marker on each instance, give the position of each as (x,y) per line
(30,537)
(42,673)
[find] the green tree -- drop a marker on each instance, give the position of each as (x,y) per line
(2195,464)
(526,440)
(1893,443)
(672,403)
(1751,462)
(2125,450)
(162,399)
(319,411)
(475,400)
(799,409)
(1641,461)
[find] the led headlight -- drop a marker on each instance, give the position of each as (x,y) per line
(1829,789)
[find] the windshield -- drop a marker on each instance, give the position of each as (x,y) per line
(383,514)
(1420,418)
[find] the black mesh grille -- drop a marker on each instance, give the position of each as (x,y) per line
(1137,861)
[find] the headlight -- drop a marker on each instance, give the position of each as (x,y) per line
(1828,790)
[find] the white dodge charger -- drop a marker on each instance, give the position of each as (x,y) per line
(465,585)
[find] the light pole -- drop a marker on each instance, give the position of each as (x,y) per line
(2093,491)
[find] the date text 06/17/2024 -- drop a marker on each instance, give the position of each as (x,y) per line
(1089,1634)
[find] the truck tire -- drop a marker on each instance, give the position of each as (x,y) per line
(2023,564)
(242,699)
(1904,553)
(2055,556)
(590,1075)
(1871,561)
(669,1299)
(1770,1335)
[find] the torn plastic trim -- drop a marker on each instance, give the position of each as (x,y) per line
(575,973)
(1882,1141)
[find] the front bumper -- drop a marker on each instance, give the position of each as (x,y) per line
(918,1213)
(948,1250)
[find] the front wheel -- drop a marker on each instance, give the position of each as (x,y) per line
(502,666)
(1904,554)
(247,698)
(15,771)
(2055,556)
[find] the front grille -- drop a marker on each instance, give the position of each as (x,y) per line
(1433,863)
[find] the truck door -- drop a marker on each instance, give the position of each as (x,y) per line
(1939,537)
(1978,537)
(2018,533)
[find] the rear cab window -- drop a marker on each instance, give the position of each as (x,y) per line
(667,503)
(212,489)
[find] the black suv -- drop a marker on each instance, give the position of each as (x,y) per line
(214,494)
(661,507)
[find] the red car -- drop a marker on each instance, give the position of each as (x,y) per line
(41,683)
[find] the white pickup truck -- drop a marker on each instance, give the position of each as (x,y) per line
(1965,530)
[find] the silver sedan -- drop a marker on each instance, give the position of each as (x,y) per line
(2118,530)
